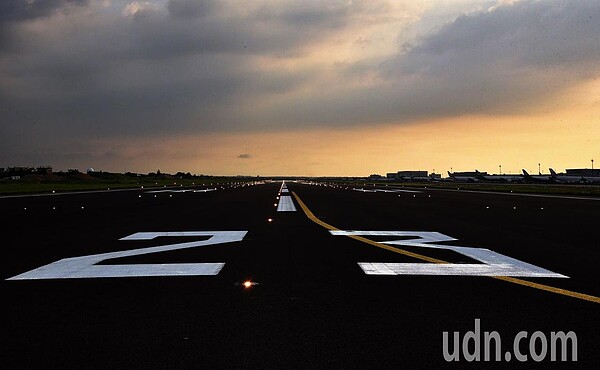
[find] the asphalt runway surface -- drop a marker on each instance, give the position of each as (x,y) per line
(309,303)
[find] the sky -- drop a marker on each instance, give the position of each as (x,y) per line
(302,88)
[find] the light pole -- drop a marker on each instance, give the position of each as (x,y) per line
(592,165)
(539,169)
(500,168)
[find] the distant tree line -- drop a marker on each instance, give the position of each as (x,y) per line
(25,170)
(21,171)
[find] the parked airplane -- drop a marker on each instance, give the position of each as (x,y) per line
(499,178)
(462,178)
(416,178)
(574,179)
(566,178)
(537,178)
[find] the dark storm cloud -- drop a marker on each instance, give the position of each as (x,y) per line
(144,71)
(149,74)
(15,11)
(18,10)
(191,8)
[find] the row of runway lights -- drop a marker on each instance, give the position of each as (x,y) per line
(279,193)
(228,185)
(171,195)
(275,204)
(233,185)
(270,219)
(334,185)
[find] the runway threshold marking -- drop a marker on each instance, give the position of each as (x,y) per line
(544,287)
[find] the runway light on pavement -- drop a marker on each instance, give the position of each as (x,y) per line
(247,284)
(269,220)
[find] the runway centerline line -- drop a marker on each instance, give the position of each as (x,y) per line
(286,204)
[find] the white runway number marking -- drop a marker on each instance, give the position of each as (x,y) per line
(492,263)
(87,266)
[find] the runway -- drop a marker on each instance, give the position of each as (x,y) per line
(339,277)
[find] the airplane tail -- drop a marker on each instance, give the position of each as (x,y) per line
(525,173)
(552,172)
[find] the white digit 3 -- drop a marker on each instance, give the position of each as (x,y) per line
(492,263)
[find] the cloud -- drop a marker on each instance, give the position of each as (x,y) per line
(191,8)
(511,57)
(75,71)
(19,10)
(516,58)
(138,8)
(93,72)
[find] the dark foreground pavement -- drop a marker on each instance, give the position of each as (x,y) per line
(313,306)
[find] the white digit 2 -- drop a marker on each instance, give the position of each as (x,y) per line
(87,266)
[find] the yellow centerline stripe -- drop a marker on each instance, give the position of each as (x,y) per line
(548,288)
